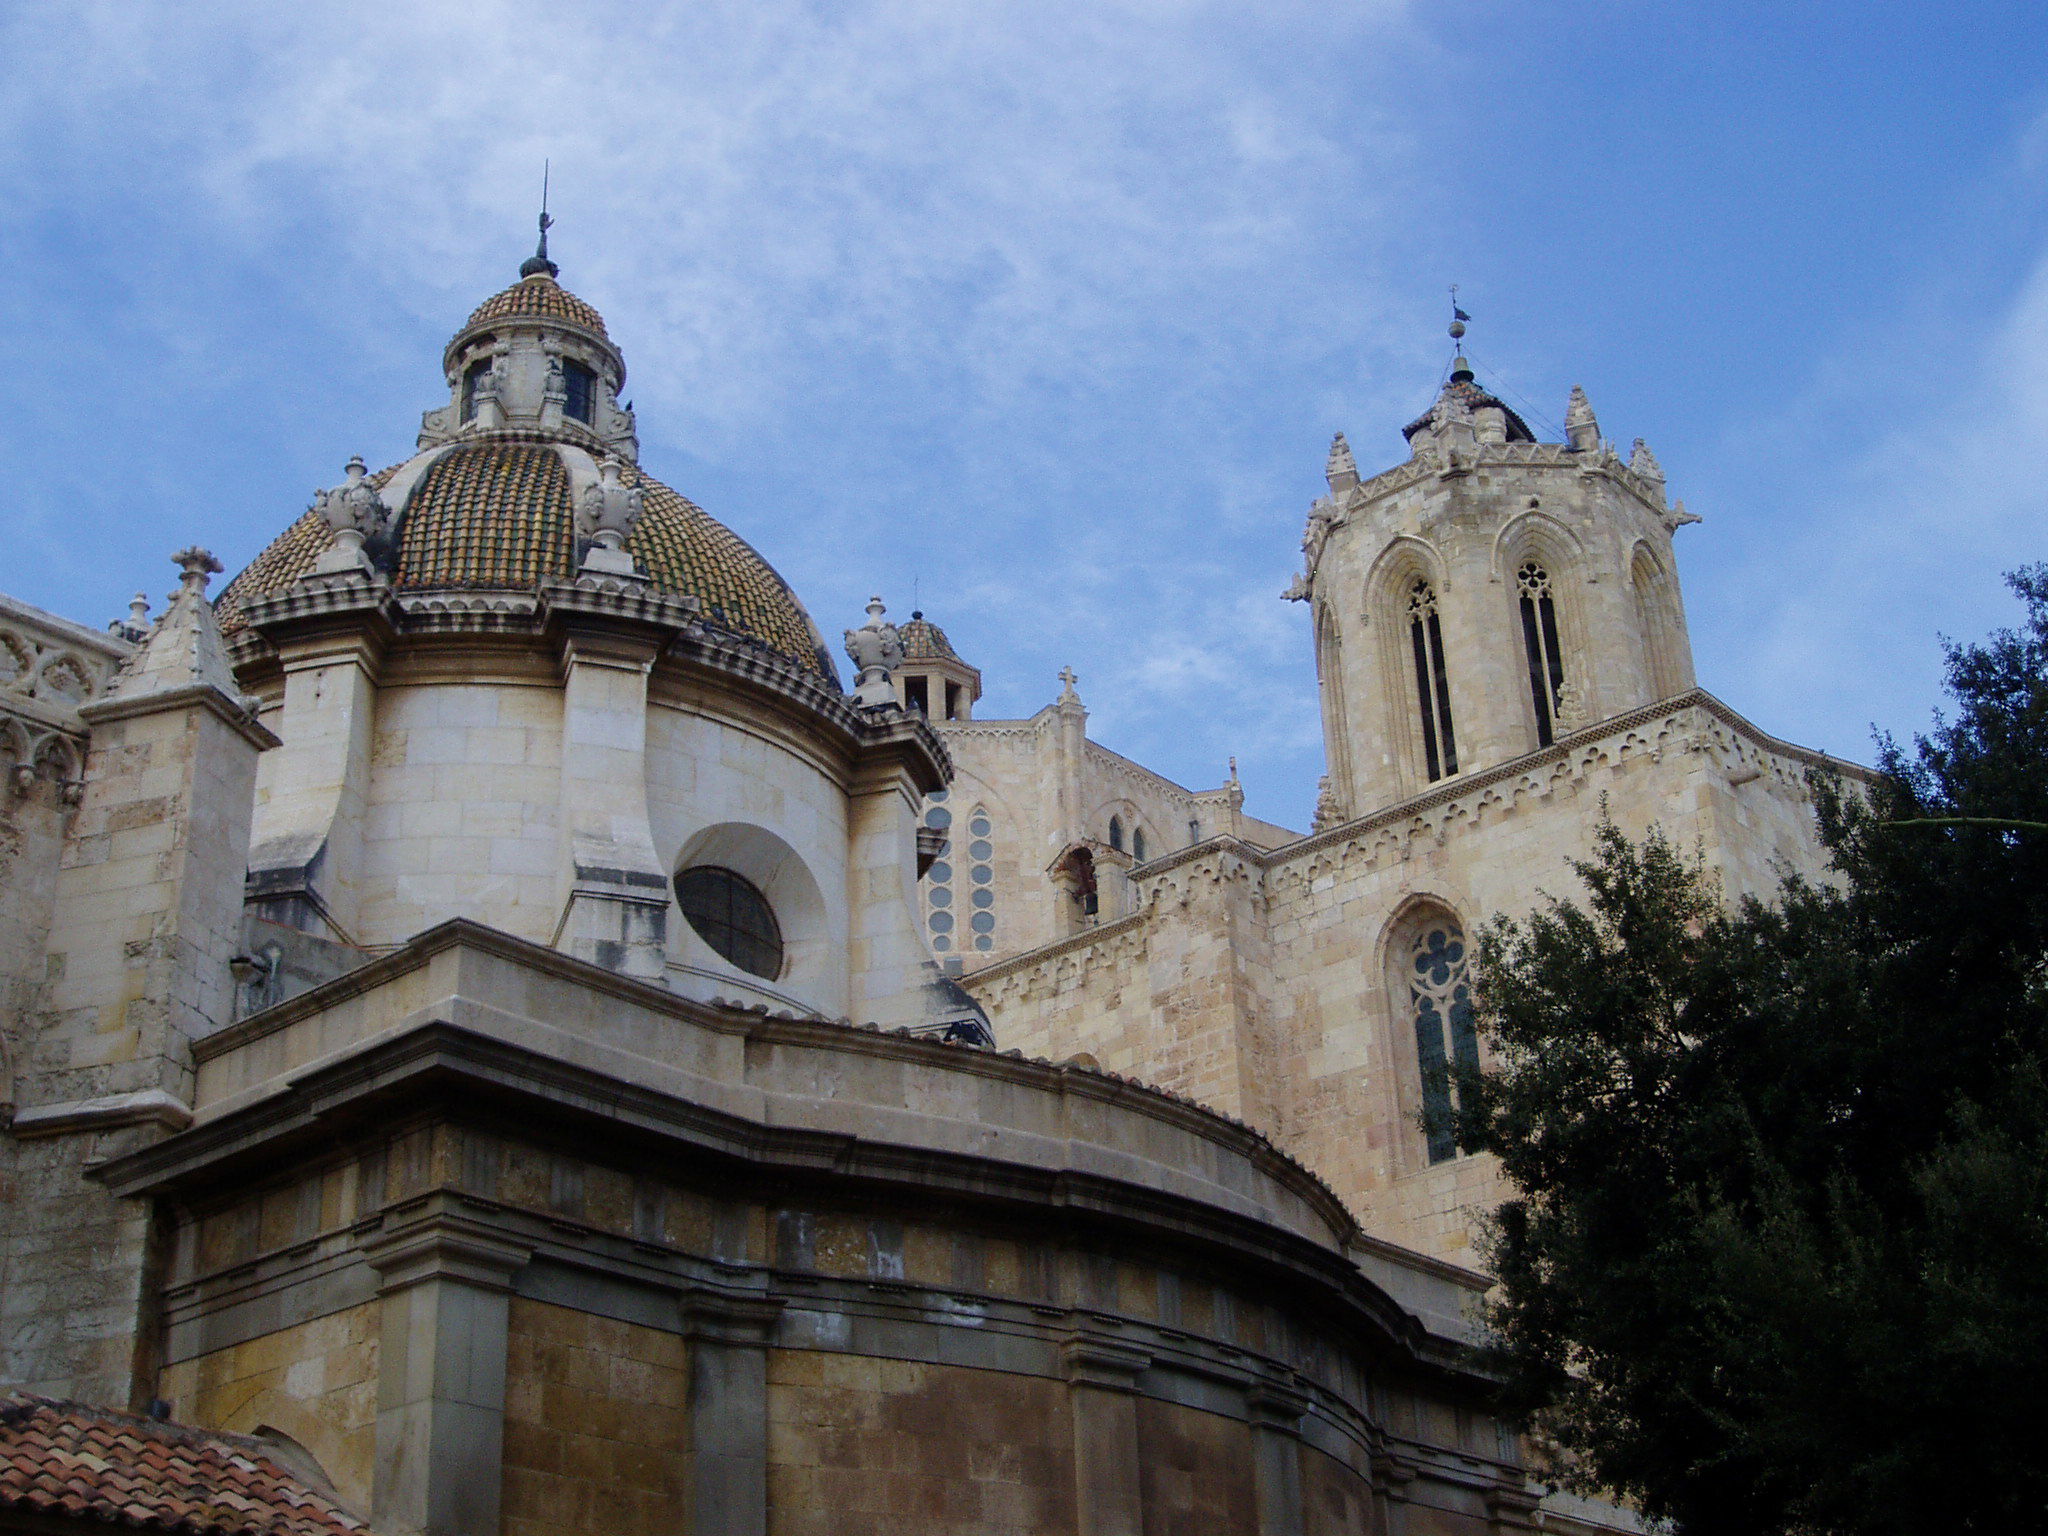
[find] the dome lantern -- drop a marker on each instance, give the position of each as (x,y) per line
(535,358)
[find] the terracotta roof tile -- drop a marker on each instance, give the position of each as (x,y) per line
(498,515)
(925,641)
(72,1458)
(538,296)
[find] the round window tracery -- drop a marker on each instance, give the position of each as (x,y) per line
(730,914)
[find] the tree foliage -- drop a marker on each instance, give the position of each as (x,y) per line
(1777,1257)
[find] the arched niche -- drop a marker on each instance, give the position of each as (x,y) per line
(779,872)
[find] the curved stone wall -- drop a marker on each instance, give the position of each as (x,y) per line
(511,1242)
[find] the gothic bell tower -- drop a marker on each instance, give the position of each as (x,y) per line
(1487,597)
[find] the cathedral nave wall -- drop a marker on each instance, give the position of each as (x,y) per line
(1265,986)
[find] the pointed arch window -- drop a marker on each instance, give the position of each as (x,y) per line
(1116,833)
(1432,684)
(1137,845)
(1540,646)
(1446,1039)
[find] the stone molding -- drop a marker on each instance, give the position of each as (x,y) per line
(236,714)
(1694,721)
(1298,1224)
(145,1106)
(441,1245)
(589,605)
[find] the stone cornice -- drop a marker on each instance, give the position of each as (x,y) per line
(1101,1088)
(230,712)
(1560,752)
(434,1067)
(589,605)
(1225,852)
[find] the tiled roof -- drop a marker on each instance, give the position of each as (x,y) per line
(93,1464)
(489,515)
(283,561)
(539,295)
(925,641)
(499,515)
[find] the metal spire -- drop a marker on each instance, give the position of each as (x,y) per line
(538,262)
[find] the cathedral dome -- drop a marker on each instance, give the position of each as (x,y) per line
(490,502)
(499,515)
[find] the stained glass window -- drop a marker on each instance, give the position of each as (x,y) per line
(1440,996)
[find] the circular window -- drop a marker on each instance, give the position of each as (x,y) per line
(983,874)
(938,816)
(936,796)
(980,850)
(984,897)
(942,922)
(733,917)
(942,897)
(941,942)
(984,942)
(979,826)
(984,922)
(939,873)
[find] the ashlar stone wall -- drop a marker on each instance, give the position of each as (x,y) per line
(1268,985)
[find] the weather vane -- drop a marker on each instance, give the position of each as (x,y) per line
(538,264)
(1458,316)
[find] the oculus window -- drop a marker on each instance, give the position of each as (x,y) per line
(733,917)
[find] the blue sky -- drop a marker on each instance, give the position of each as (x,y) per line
(1049,310)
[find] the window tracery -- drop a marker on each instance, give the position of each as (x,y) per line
(1432,682)
(1446,1037)
(1540,646)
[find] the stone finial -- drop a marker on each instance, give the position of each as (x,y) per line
(877,649)
(135,624)
(609,509)
(355,510)
(1342,469)
(1329,809)
(198,567)
(1068,694)
(1643,462)
(1581,430)
(185,648)
(606,514)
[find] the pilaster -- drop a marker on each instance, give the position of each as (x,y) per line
(1102,1379)
(306,847)
(729,1338)
(890,965)
(1275,1413)
(615,892)
(445,1306)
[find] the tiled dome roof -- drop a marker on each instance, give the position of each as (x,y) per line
(500,515)
(925,641)
(539,295)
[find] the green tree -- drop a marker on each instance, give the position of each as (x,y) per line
(1777,1256)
